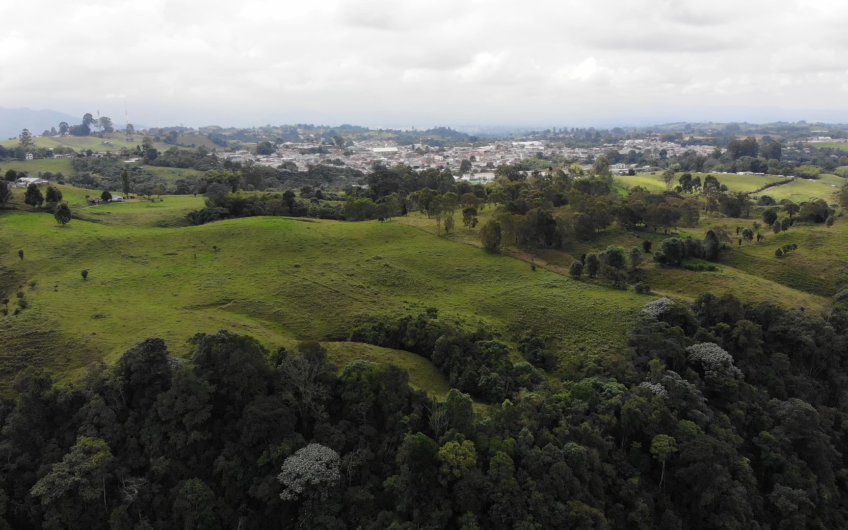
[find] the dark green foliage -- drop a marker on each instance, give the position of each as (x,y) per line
(53,194)
(593,265)
(106,196)
(490,236)
(471,361)
(33,196)
(63,213)
(84,274)
(576,269)
(722,415)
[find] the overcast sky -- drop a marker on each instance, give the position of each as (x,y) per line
(451,62)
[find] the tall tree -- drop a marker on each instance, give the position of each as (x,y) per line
(26,140)
(63,213)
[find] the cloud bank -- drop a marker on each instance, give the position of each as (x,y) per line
(425,63)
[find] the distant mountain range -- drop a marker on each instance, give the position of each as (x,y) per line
(13,121)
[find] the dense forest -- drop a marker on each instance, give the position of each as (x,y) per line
(718,415)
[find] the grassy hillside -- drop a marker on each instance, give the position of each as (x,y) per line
(802,190)
(117,141)
(284,280)
(278,279)
(653,182)
(32,167)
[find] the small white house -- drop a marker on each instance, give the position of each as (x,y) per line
(29,156)
(23,182)
(117,198)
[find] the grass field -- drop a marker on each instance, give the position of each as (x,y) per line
(802,190)
(284,280)
(832,145)
(733,182)
(278,279)
(33,167)
(118,140)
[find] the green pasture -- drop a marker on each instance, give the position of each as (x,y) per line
(278,279)
(742,183)
(832,145)
(803,190)
(118,140)
(33,167)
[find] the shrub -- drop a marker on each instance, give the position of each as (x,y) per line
(576,269)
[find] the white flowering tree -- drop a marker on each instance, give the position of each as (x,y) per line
(717,363)
(657,307)
(310,471)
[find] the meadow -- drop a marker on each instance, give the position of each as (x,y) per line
(285,280)
(117,141)
(276,278)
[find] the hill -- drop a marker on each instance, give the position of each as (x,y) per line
(13,121)
(278,279)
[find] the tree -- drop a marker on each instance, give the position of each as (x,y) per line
(63,213)
(646,246)
(830,220)
(776,227)
(310,471)
(87,120)
(791,208)
(464,166)
(770,216)
(662,447)
(576,269)
(106,196)
(64,128)
(83,471)
(5,193)
(712,246)
(11,175)
(125,182)
(615,257)
(593,265)
(748,234)
(53,194)
(194,506)
(668,177)
(490,236)
(105,124)
(635,257)
(26,140)
(469,217)
(33,196)
(601,167)
(449,223)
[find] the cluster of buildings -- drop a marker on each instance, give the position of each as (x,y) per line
(484,159)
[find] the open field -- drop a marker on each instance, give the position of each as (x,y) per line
(832,145)
(33,167)
(802,190)
(284,280)
(117,140)
(733,182)
(278,279)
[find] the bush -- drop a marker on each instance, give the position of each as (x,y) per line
(576,269)
(643,288)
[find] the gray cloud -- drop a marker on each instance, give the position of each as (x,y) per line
(390,62)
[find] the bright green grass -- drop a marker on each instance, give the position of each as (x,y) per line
(281,279)
(32,167)
(422,373)
(785,282)
(733,182)
(802,190)
(832,145)
(172,174)
(94,143)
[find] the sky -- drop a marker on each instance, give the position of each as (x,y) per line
(439,62)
